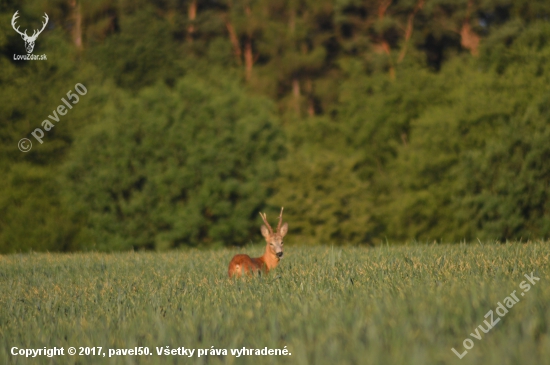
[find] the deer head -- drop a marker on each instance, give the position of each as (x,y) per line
(29,41)
(274,239)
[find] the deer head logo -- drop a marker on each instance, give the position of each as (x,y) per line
(29,41)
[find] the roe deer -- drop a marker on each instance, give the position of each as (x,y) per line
(272,255)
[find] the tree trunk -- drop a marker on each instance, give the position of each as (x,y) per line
(409,29)
(248,54)
(192,14)
(248,58)
(296,94)
(382,7)
(234,41)
(76,32)
(468,38)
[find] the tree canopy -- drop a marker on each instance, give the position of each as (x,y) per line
(369,121)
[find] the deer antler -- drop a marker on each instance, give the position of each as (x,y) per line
(15,16)
(264,217)
(24,34)
(43,26)
(280,220)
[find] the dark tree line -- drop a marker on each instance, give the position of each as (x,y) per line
(368,120)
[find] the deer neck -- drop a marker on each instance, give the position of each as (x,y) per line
(271,260)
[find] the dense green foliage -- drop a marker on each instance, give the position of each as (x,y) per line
(195,173)
(386,305)
(369,121)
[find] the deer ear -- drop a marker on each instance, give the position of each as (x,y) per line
(284,230)
(265,231)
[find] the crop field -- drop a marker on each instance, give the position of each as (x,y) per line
(322,305)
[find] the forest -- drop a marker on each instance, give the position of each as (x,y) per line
(370,121)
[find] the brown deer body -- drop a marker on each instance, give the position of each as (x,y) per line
(273,251)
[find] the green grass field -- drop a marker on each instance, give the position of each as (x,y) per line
(385,305)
